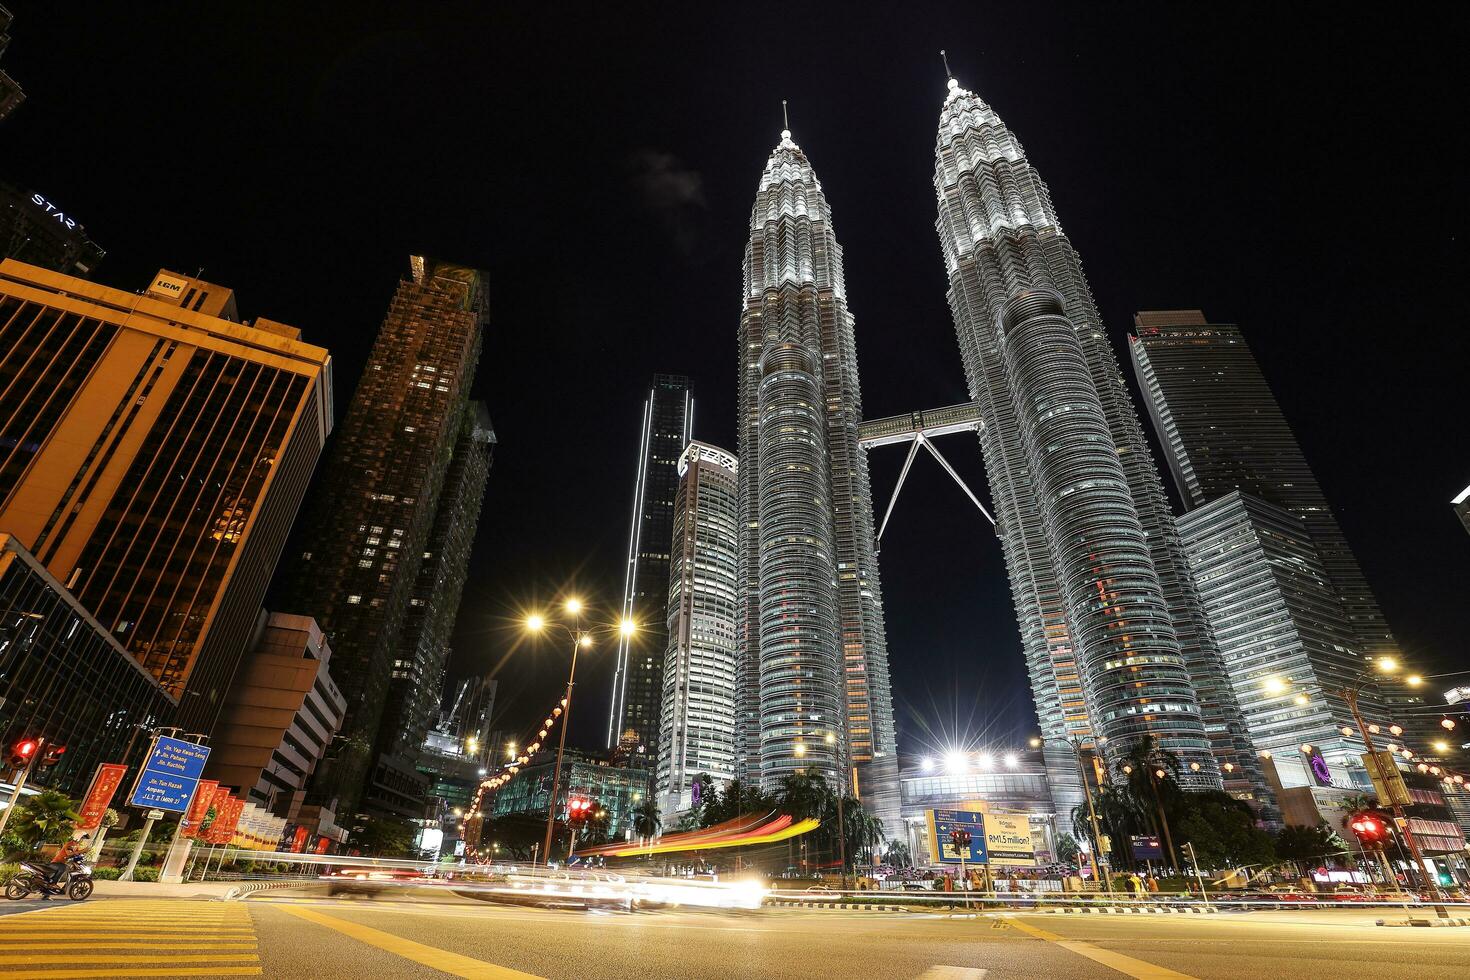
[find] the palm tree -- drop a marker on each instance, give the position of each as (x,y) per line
(647,821)
(46,818)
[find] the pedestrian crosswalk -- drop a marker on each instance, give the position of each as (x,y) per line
(130,938)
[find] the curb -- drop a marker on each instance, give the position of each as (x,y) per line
(1427,923)
(240,891)
(839,906)
(1121,910)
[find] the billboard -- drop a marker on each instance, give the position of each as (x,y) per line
(1008,840)
(1147,848)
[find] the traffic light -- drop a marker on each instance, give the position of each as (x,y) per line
(578,810)
(53,756)
(960,839)
(1369,828)
(22,752)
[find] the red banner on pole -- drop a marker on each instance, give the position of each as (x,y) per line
(199,807)
(226,819)
(105,782)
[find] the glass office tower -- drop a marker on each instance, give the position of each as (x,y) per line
(638,677)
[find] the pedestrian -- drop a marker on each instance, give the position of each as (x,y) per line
(1135,884)
(1153,884)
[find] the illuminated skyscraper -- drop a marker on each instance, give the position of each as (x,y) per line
(668,420)
(697,729)
(813,670)
(368,524)
(1117,644)
(153,454)
(1222,430)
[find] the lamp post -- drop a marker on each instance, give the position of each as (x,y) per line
(1097,849)
(580,637)
(1349,693)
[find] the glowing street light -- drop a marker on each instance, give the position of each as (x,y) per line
(535,622)
(574,607)
(1387,664)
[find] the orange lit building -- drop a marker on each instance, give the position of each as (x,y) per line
(153,453)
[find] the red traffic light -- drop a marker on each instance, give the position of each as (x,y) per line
(578,810)
(22,752)
(53,755)
(1368,827)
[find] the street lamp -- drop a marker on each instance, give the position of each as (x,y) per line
(1097,848)
(1349,693)
(581,637)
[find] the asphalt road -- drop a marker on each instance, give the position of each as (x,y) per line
(278,936)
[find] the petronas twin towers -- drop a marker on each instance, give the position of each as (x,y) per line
(1116,642)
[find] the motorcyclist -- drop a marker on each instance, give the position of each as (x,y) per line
(57,867)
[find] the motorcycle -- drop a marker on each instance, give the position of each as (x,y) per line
(75,880)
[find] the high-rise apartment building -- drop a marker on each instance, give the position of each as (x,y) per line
(357,561)
(1287,646)
(813,649)
(422,651)
(697,728)
(1222,430)
(1117,644)
(668,421)
(153,454)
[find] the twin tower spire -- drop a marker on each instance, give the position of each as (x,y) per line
(1117,646)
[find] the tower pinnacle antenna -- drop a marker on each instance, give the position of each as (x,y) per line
(945,58)
(785,123)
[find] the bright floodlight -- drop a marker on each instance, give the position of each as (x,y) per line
(1011,760)
(1441,746)
(1413,680)
(1387,664)
(986,760)
(1035,742)
(1301,699)
(926,764)
(955,762)
(799,749)
(574,606)
(535,622)
(627,627)
(1275,685)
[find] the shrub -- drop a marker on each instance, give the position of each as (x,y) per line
(8,871)
(145,874)
(106,874)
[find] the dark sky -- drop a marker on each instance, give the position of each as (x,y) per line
(1298,173)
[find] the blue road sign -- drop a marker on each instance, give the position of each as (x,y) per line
(947,821)
(1147,849)
(171,776)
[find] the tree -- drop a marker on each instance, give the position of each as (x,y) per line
(805,796)
(384,837)
(1222,830)
(1067,849)
(647,821)
(898,855)
(1304,844)
(46,818)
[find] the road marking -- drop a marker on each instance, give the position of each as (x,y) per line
(953,973)
(438,959)
(1137,969)
(164,971)
(176,938)
(127,958)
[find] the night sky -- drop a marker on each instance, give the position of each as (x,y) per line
(1299,174)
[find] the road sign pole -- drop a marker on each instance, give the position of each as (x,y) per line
(127,874)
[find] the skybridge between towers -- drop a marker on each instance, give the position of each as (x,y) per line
(921,429)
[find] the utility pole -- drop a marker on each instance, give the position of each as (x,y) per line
(1350,695)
